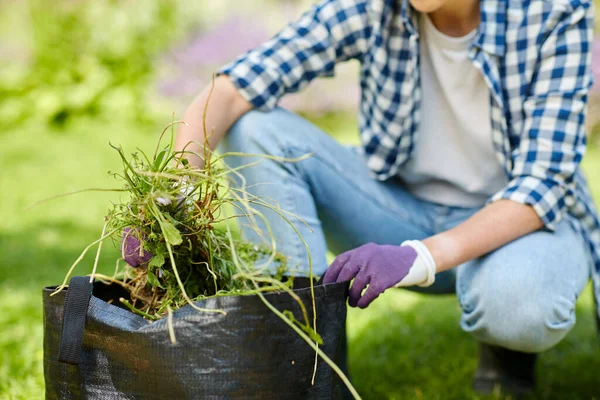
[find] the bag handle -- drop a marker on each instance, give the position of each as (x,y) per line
(74,314)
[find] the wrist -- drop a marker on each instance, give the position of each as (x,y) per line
(443,251)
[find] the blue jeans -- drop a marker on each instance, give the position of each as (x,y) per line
(522,296)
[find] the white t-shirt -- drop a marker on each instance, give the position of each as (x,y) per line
(454,161)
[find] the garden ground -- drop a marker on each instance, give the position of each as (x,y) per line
(405,346)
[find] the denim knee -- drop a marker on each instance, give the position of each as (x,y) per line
(511,317)
(523,295)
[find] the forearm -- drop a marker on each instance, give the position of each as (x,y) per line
(225,106)
(492,227)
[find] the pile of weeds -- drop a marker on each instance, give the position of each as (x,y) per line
(188,251)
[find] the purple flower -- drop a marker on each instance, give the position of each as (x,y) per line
(132,250)
(187,68)
(239,33)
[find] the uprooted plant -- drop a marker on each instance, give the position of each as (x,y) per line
(174,228)
(174,234)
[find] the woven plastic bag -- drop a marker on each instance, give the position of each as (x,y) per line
(103,351)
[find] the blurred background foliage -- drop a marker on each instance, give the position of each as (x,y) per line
(76,74)
(65,59)
(73,58)
(129,60)
(140,61)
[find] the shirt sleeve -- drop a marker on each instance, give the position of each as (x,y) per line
(332,31)
(553,139)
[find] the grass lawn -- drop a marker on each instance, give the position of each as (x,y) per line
(395,352)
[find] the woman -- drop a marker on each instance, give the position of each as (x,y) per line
(472,125)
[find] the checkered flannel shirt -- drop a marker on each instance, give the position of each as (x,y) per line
(535,57)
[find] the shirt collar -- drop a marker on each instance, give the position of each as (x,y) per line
(407,15)
(491,35)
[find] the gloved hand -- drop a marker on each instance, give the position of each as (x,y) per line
(131,249)
(382,267)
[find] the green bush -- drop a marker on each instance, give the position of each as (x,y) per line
(84,58)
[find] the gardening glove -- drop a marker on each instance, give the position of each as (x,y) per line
(381,267)
(132,250)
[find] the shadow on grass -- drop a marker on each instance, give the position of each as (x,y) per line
(419,352)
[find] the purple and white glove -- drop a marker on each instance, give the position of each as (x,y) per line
(381,267)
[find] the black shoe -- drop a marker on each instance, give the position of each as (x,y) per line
(512,372)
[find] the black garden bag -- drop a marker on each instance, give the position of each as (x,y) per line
(97,350)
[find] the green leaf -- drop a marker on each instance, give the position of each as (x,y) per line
(307,329)
(159,160)
(157,261)
(172,235)
(152,279)
(160,250)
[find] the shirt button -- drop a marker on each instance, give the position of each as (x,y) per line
(570,201)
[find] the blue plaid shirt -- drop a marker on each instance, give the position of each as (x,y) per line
(535,57)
